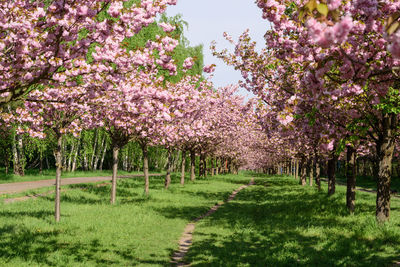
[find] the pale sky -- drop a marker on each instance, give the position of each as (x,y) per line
(209,19)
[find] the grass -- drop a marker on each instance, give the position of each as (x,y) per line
(138,230)
(279,223)
(273,223)
(33,175)
(370,183)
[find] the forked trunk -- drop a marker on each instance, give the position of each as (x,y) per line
(114,174)
(351,179)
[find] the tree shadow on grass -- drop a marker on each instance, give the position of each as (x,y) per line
(37,246)
(277,227)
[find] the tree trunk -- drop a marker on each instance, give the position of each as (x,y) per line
(114,174)
(169,165)
(145,167)
(303,172)
(64,154)
(69,166)
(385,148)
(96,136)
(73,168)
(192,165)
(98,153)
(297,170)
(183,164)
(317,173)
(351,179)
(41,160)
(102,157)
(331,174)
(311,164)
(58,155)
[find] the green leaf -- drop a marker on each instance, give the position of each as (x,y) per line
(311,5)
(323,9)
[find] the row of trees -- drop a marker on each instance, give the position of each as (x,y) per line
(88,80)
(329,76)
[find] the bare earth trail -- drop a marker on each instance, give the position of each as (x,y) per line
(186,239)
(12,188)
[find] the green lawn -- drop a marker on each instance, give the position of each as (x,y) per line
(370,183)
(33,175)
(273,223)
(138,230)
(279,223)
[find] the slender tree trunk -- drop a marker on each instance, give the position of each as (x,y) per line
(102,157)
(69,168)
(303,172)
(98,153)
(311,164)
(169,165)
(192,165)
(64,154)
(96,136)
(332,174)
(385,149)
(317,173)
(41,160)
(114,174)
(76,155)
(58,154)
(297,170)
(183,164)
(85,159)
(145,167)
(351,179)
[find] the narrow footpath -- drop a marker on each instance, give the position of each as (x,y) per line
(186,239)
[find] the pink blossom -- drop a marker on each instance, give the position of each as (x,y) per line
(167,27)
(209,68)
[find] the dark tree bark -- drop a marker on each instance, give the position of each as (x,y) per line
(169,165)
(332,173)
(183,164)
(317,173)
(303,172)
(351,179)
(385,148)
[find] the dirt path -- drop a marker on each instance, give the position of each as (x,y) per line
(24,186)
(186,239)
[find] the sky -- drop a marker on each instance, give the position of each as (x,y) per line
(209,19)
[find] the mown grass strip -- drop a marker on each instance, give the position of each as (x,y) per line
(138,230)
(279,223)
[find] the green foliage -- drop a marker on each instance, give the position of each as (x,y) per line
(390,104)
(290,9)
(312,116)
